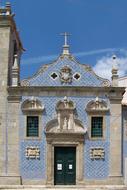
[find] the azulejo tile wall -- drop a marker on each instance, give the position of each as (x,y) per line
(96,168)
(33,168)
(36,168)
(87,76)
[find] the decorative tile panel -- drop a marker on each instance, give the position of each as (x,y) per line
(32,152)
(97,153)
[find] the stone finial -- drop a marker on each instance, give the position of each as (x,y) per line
(65,46)
(65,99)
(114,71)
(97,99)
(115,64)
(8,5)
(15,71)
(6,10)
(15,61)
(33,98)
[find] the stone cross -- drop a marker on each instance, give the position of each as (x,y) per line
(65,34)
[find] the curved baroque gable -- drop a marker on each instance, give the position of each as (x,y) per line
(65,71)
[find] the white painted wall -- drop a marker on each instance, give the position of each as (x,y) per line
(123,83)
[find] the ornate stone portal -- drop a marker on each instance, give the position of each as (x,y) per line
(65,131)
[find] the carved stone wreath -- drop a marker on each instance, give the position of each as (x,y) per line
(66,75)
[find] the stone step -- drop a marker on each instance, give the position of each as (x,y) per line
(87,187)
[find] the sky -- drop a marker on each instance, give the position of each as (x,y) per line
(98,30)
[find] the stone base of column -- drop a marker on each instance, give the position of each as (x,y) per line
(111,180)
(125,169)
(10,180)
(116,180)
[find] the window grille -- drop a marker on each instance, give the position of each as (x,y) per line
(97,127)
(32,126)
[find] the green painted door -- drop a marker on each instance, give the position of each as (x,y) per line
(64,165)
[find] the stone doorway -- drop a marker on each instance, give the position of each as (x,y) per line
(64,165)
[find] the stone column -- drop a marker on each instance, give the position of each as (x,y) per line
(115,138)
(50,159)
(79,163)
(13,139)
(125,178)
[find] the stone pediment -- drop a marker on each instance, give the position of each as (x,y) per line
(65,71)
(32,105)
(97,105)
(53,127)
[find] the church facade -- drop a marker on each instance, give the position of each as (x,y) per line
(62,126)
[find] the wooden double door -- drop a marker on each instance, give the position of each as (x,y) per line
(65,165)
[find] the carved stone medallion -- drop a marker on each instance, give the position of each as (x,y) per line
(66,75)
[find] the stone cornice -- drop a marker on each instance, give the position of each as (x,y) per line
(65,137)
(14,99)
(110,92)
